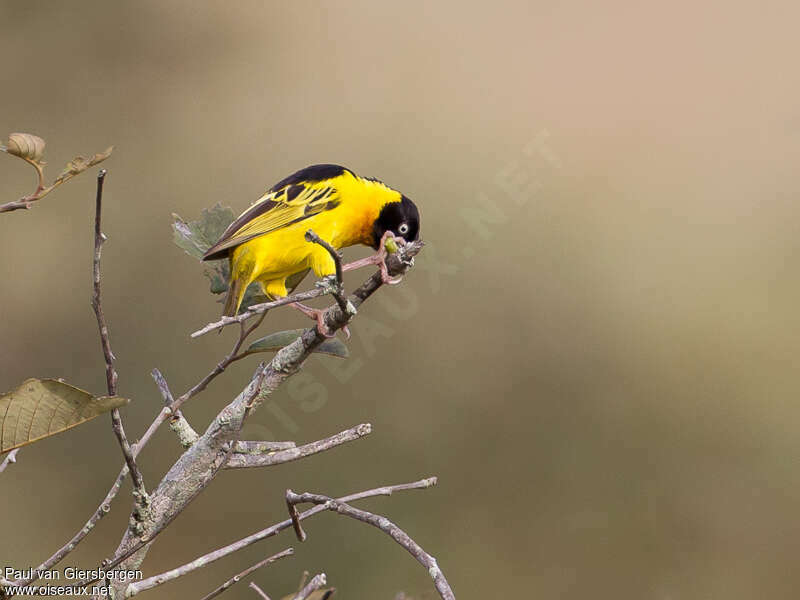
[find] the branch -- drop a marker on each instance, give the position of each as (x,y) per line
(382,523)
(238,577)
(316,582)
(243,461)
(136,587)
(11,458)
(259,591)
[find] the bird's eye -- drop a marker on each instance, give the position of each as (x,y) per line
(403,229)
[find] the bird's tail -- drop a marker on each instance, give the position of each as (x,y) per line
(234,298)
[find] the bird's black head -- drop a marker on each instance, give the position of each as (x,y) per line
(401,218)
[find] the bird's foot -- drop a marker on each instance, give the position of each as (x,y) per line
(379,259)
(318,314)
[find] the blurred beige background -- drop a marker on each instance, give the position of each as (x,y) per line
(597,353)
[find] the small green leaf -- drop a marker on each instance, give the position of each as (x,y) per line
(39,408)
(276,341)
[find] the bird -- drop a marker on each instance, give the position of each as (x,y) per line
(267,243)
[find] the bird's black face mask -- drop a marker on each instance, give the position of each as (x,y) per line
(401,218)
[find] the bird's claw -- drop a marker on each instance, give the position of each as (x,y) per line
(318,314)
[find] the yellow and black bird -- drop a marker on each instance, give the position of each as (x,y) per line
(266,242)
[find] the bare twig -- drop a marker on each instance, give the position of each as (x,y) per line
(240,461)
(206,559)
(111,372)
(257,309)
(316,582)
(239,576)
(259,591)
(312,237)
(10,459)
(178,423)
(382,523)
(163,387)
(231,357)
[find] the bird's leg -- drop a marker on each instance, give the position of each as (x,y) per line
(379,259)
(318,314)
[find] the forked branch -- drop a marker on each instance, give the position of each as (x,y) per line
(382,523)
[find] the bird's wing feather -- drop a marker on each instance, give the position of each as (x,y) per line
(275,210)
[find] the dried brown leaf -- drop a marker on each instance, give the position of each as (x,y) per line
(26,145)
(39,408)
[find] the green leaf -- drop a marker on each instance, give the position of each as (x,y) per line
(275,341)
(39,408)
(195,237)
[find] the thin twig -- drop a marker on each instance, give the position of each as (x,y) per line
(239,576)
(144,584)
(244,461)
(316,582)
(382,523)
(11,458)
(178,423)
(257,309)
(259,591)
(312,237)
(232,356)
(111,372)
